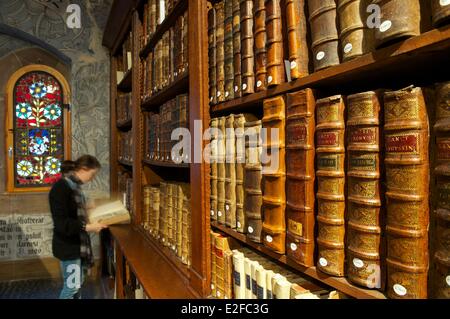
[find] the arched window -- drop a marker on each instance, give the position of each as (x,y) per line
(38,126)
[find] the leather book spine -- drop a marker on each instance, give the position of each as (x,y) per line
(440,10)
(296,22)
(220,51)
(399,19)
(407,194)
(330,156)
(275,50)
(300,176)
(153,17)
(441,187)
(230,173)
(247,42)
(228,50)
(260,45)
(237,49)
(185,43)
(221,151)
(324,33)
(213,168)
(274,174)
(364,194)
(355,36)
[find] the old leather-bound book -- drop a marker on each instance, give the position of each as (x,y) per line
(212,55)
(399,19)
(220,51)
(355,36)
(237,48)
(330,156)
(440,12)
(260,45)
(324,33)
(275,50)
(441,284)
(221,151)
(274,174)
(364,190)
(239,131)
(407,181)
(300,176)
(213,168)
(230,172)
(155,210)
(185,42)
(252,182)
(247,41)
(229,53)
(296,21)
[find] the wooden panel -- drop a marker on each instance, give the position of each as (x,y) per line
(113,130)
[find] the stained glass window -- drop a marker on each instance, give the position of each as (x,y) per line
(38,130)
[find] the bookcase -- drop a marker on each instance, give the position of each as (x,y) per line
(416,60)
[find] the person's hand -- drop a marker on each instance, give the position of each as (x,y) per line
(95,227)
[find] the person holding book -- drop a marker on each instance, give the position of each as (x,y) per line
(71,241)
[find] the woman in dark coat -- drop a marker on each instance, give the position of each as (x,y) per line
(71,241)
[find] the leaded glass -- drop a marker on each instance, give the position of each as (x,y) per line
(39,132)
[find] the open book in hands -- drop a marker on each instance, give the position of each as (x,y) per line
(110,214)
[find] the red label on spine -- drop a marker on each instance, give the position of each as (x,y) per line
(296,133)
(443,147)
(327,138)
(363,135)
(402,143)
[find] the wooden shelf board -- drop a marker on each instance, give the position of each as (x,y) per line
(168,22)
(382,63)
(125,84)
(125,125)
(341,284)
(179,86)
(165,164)
(154,271)
(125,163)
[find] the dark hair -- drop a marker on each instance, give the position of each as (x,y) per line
(85,161)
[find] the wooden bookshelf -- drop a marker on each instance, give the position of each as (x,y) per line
(341,284)
(125,163)
(125,84)
(168,22)
(125,125)
(165,164)
(179,86)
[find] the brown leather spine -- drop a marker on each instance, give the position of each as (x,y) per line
(212,55)
(441,284)
(274,175)
(213,168)
(248,60)
(300,175)
(229,53)
(330,156)
(260,45)
(324,33)
(237,48)
(440,12)
(407,180)
(364,190)
(275,50)
(230,173)
(297,38)
(355,36)
(221,157)
(399,19)
(252,182)
(220,51)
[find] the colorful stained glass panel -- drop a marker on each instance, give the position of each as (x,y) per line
(39,131)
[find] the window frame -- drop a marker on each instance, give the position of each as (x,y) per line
(9,127)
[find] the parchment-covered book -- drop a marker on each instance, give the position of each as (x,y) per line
(110,214)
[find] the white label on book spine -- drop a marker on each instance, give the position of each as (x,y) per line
(444,3)
(320,55)
(358,263)
(348,48)
(269,238)
(250,229)
(400,290)
(212,212)
(259,83)
(293,65)
(211,99)
(236,88)
(386,25)
(219,213)
(269,79)
(323,262)
(218,93)
(447,279)
(244,86)
(227,207)
(212,286)
(239,225)
(227,94)
(293,247)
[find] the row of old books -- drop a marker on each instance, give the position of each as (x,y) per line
(124,110)
(168,61)
(125,60)
(132,288)
(240,273)
(250,41)
(155,12)
(125,190)
(357,169)
(173,115)
(167,217)
(125,144)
